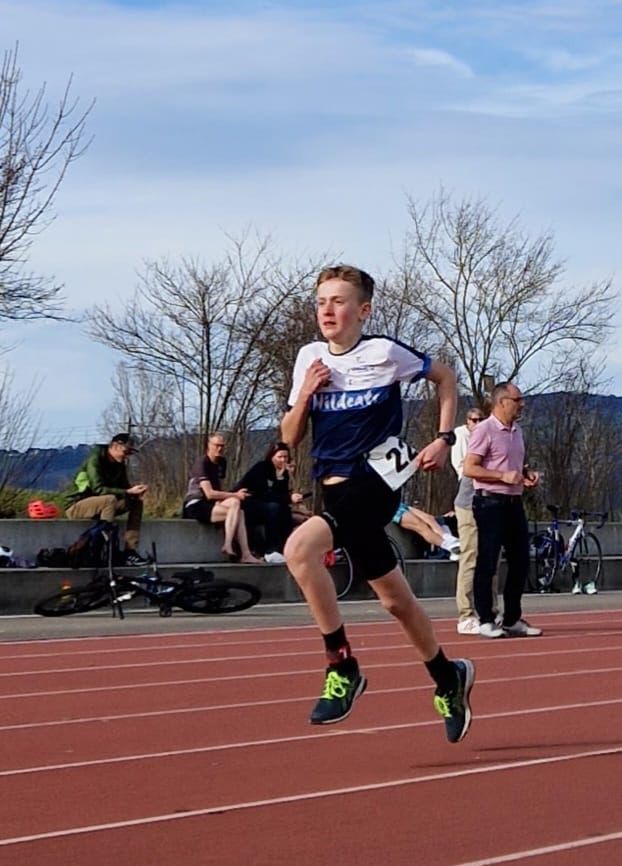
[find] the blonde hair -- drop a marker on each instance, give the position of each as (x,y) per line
(357,277)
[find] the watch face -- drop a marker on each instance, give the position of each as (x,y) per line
(449,437)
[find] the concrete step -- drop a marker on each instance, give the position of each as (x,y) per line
(21,588)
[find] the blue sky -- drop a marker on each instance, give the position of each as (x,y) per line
(311,122)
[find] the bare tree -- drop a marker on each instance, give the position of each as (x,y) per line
(36,148)
(204,331)
(143,400)
(574,439)
(21,464)
(492,298)
(150,406)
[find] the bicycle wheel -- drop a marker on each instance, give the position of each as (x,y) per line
(339,567)
(73,600)
(589,557)
(218,596)
(548,551)
(397,550)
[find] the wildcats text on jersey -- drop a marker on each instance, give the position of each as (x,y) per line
(336,401)
(361,405)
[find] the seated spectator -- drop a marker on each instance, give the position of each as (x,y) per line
(207,502)
(270,500)
(101,489)
(428,527)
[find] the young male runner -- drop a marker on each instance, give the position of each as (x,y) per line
(349,387)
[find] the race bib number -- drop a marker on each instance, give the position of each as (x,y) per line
(394,461)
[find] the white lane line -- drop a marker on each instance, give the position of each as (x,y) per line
(385,627)
(403,645)
(412,663)
(94,669)
(251,744)
(542,852)
(313,795)
(591,672)
(254,630)
(204,645)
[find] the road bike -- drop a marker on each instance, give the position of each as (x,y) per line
(339,564)
(580,558)
(195,590)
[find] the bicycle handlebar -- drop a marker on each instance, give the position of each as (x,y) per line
(602,516)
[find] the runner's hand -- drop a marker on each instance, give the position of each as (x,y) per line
(433,456)
(317,375)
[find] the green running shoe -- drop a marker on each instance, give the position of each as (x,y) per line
(454,706)
(341,689)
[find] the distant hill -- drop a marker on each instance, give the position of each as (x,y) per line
(43,468)
(52,469)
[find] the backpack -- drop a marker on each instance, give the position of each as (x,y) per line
(90,549)
(55,557)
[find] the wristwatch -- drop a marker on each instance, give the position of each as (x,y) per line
(448,436)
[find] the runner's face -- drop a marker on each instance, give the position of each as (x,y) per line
(340,312)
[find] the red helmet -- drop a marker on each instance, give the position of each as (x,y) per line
(39,510)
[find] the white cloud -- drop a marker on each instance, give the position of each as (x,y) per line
(440,59)
(312,123)
(565,61)
(545,100)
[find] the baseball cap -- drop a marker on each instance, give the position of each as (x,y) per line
(124,439)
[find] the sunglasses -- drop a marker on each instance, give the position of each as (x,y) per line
(475,420)
(514,399)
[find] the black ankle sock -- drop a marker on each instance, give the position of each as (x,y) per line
(337,646)
(442,671)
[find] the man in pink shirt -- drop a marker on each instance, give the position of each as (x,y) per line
(495,460)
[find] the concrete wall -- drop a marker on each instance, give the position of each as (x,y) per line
(179,544)
(20,589)
(184,542)
(176,540)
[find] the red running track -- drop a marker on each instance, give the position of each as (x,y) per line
(195,749)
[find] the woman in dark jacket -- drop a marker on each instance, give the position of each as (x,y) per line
(268,505)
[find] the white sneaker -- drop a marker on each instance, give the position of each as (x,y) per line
(521,628)
(450,543)
(576,588)
(589,588)
(468,625)
(275,558)
(489,629)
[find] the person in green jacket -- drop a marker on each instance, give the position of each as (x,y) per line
(102,489)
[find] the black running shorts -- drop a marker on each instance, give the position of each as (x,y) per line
(357,511)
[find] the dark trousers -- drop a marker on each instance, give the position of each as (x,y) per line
(274,518)
(501,523)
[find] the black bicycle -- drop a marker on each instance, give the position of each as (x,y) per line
(339,564)
(195,591)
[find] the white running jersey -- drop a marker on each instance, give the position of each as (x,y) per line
(361,405)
